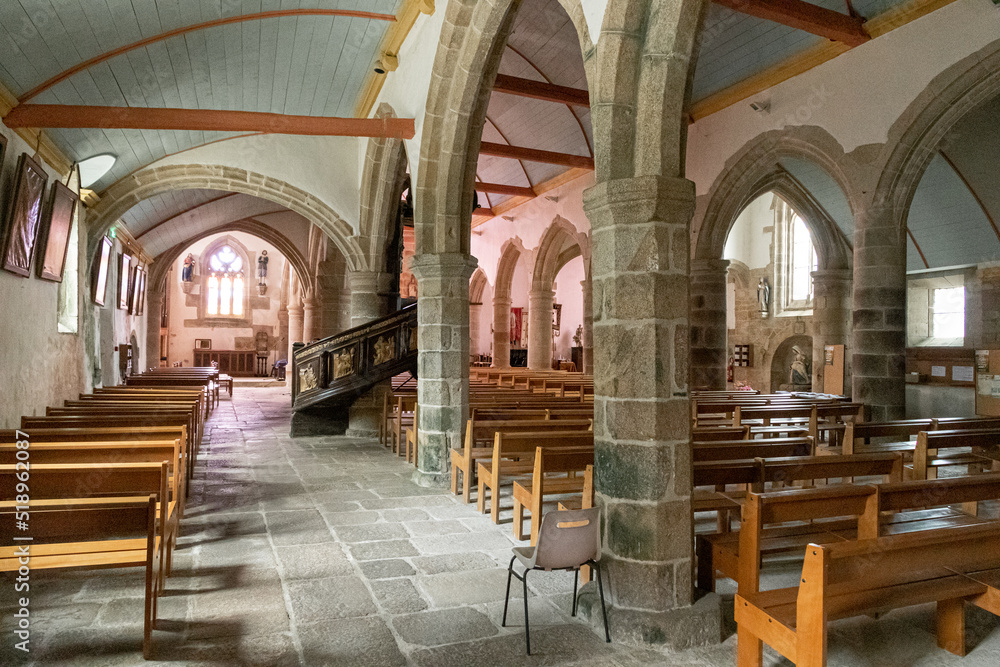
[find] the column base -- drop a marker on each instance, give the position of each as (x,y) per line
(687,627)
(431,480)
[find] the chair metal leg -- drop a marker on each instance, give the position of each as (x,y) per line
(510,571)
(576,580)
(527,632)
(604,610)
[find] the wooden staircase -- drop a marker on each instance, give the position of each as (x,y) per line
(335,371)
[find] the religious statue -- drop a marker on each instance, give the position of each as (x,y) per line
(262,264)
(343,363)
(384,350)
(307,379)
(799,371)
(763,296)
(188,268)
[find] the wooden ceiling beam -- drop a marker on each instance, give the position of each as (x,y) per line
(130,118)
(484,212)
(535,155)
(501,189)
(540,90)
(259,16)
(804,16)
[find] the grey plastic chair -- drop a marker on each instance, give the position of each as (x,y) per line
(567,540)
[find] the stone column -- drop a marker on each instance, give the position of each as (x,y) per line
(308,319)
(708,323)
(366,303)
(154,304)
(295,315)
(831,321)
(501,333)
(540,329)
(641,422)
(878,360)
(588,326)
(475,311)
(443,360)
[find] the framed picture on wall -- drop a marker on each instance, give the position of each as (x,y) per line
(24,216)
(99,276)
(556,318)
(140,299)
(203,344)
(124,279)
(133,295)
(3,149)
(53,239)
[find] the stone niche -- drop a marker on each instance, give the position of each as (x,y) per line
(785,356)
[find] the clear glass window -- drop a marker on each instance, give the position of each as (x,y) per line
(803,261)
(948,312)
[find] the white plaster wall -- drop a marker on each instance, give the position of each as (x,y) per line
(405,90)
(484,343)
(569,292)
(223,338)
(323,166)
(751,235)
(857,96)
(39,367)
(530,222)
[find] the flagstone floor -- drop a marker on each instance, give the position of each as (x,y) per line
(321,551)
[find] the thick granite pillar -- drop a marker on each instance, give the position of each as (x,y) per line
(588,326)
(831,321)
(501,333)
(641,232)
(540,329)
(475,310)
(708,323)
(443,360)
(154,305)
(308,319)
(295,316)
(366,302)
(878,360)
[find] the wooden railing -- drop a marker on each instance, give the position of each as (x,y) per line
(337,370)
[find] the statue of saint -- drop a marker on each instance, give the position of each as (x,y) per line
(763,296)
(262,264)
(188,269)
(799,371)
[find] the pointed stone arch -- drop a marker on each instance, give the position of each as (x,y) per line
(510,254)
(477,285)
(560,243)
(132,190)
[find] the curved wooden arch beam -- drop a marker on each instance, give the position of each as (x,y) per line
(259,16)
(504,137)
(917,246)
(579,122)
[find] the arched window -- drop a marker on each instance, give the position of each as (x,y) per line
(803,260)
(795,260)
(226,283)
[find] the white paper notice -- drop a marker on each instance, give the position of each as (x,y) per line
(939,371)
(963,373)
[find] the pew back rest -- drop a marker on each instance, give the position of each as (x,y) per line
(521,444)
(88,480)
(715,433)
(748,449)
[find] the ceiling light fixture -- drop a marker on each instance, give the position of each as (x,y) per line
(94,168)
(763,106)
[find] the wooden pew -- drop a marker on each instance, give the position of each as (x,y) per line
(713,433)
(478,443)
(102,533)
(531,493)
(900,435)
(865,576)
(730,450)
(927,457)
(512,455)
(846,512)
(76,481)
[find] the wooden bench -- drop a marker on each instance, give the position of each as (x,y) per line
(101,533)
(947,566)
(513,454)
(530,494)
(479,440)
(842,512)
(730,450)
(713,433)
(72,482)
(928,458)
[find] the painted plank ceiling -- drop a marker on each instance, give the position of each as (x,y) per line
(735,46)
(824,190)
(308,65)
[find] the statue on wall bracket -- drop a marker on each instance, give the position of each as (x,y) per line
(763,297)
